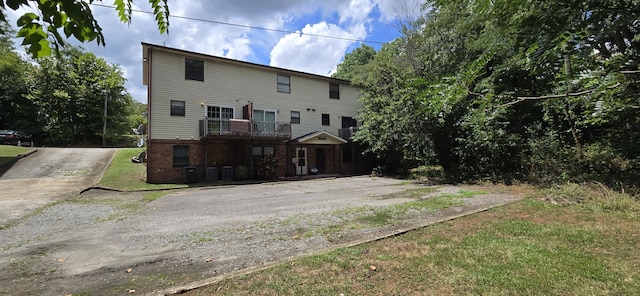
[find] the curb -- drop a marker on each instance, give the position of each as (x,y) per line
(9,164)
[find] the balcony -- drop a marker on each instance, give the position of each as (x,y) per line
(347,133)
(244,128)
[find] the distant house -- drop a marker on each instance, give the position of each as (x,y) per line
(211,117)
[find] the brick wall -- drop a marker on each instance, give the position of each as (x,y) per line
(160,160)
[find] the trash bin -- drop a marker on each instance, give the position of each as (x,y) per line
(227,173)
(189,174)
(212,174)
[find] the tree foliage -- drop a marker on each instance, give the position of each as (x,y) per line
(60,99)
(40,28)
(71,92)
(511,90)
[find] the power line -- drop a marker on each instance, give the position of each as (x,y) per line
(247,26)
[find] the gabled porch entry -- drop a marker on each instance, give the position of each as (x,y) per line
(315,152)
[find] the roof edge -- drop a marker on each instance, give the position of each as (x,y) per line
(250,64)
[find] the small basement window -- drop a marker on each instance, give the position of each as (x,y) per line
(180,156)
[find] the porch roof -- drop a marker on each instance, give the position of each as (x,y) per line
(322,137)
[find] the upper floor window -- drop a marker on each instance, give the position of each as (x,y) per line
(284,83)
(177,108)
(295,116)
(334,91)
(325,119)
(193,69)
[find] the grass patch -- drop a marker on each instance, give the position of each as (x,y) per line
(530,247)
(9,153)
(149,197)
(125,175)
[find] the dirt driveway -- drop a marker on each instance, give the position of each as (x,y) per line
(106,243)
(49,175)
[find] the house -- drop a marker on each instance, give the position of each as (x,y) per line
(211,117)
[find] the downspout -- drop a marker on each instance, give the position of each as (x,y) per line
(149,125)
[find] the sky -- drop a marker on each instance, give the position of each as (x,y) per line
(291,44)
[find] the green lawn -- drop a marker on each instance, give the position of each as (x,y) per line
(9,153)
(535,247)
(123,174)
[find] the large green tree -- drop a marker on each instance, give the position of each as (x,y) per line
(508,90)
(71,95)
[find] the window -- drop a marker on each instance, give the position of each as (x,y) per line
(334,91)
(180,155)
(284,83)
(263,151)
(177,108)
(193,69)
(325,119)
(295,116)
(260,153)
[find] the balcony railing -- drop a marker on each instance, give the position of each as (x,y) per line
(347,133)
(244,127)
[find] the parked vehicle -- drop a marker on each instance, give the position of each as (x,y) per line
(19,138)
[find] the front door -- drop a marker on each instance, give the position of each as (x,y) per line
(320,160)
(301,168)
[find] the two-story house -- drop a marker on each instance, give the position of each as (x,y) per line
(209,116)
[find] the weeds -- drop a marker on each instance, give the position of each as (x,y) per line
(593,196)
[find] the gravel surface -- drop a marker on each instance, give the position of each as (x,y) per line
(108,243)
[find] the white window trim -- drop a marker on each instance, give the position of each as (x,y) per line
(206,109)
(268,110)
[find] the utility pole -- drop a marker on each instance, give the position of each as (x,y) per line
(104,126)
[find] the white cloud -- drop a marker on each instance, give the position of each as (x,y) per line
(308,53)
(391,10)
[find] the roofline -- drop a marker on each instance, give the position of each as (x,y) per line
(317,133)
(248,64)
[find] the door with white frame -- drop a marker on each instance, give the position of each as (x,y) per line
(301,166)
(265,121)
(219,119)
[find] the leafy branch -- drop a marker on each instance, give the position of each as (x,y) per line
(40,28)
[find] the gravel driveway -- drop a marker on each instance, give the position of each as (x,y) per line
(107,243)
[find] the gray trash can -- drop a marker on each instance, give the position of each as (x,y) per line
(227,173)
(189,174)
(212,174)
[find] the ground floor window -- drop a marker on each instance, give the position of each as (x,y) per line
(180,155)
(261,152)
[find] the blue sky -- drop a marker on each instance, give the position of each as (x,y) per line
(375,20)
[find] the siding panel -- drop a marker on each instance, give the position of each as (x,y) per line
(233,85)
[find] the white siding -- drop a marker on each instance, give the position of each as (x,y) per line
(234,85)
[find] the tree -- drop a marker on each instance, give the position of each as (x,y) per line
(71,92)
(353,62)
(16,80)
(512,90)
(40,28)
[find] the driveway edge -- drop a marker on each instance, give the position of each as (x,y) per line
(8,165)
